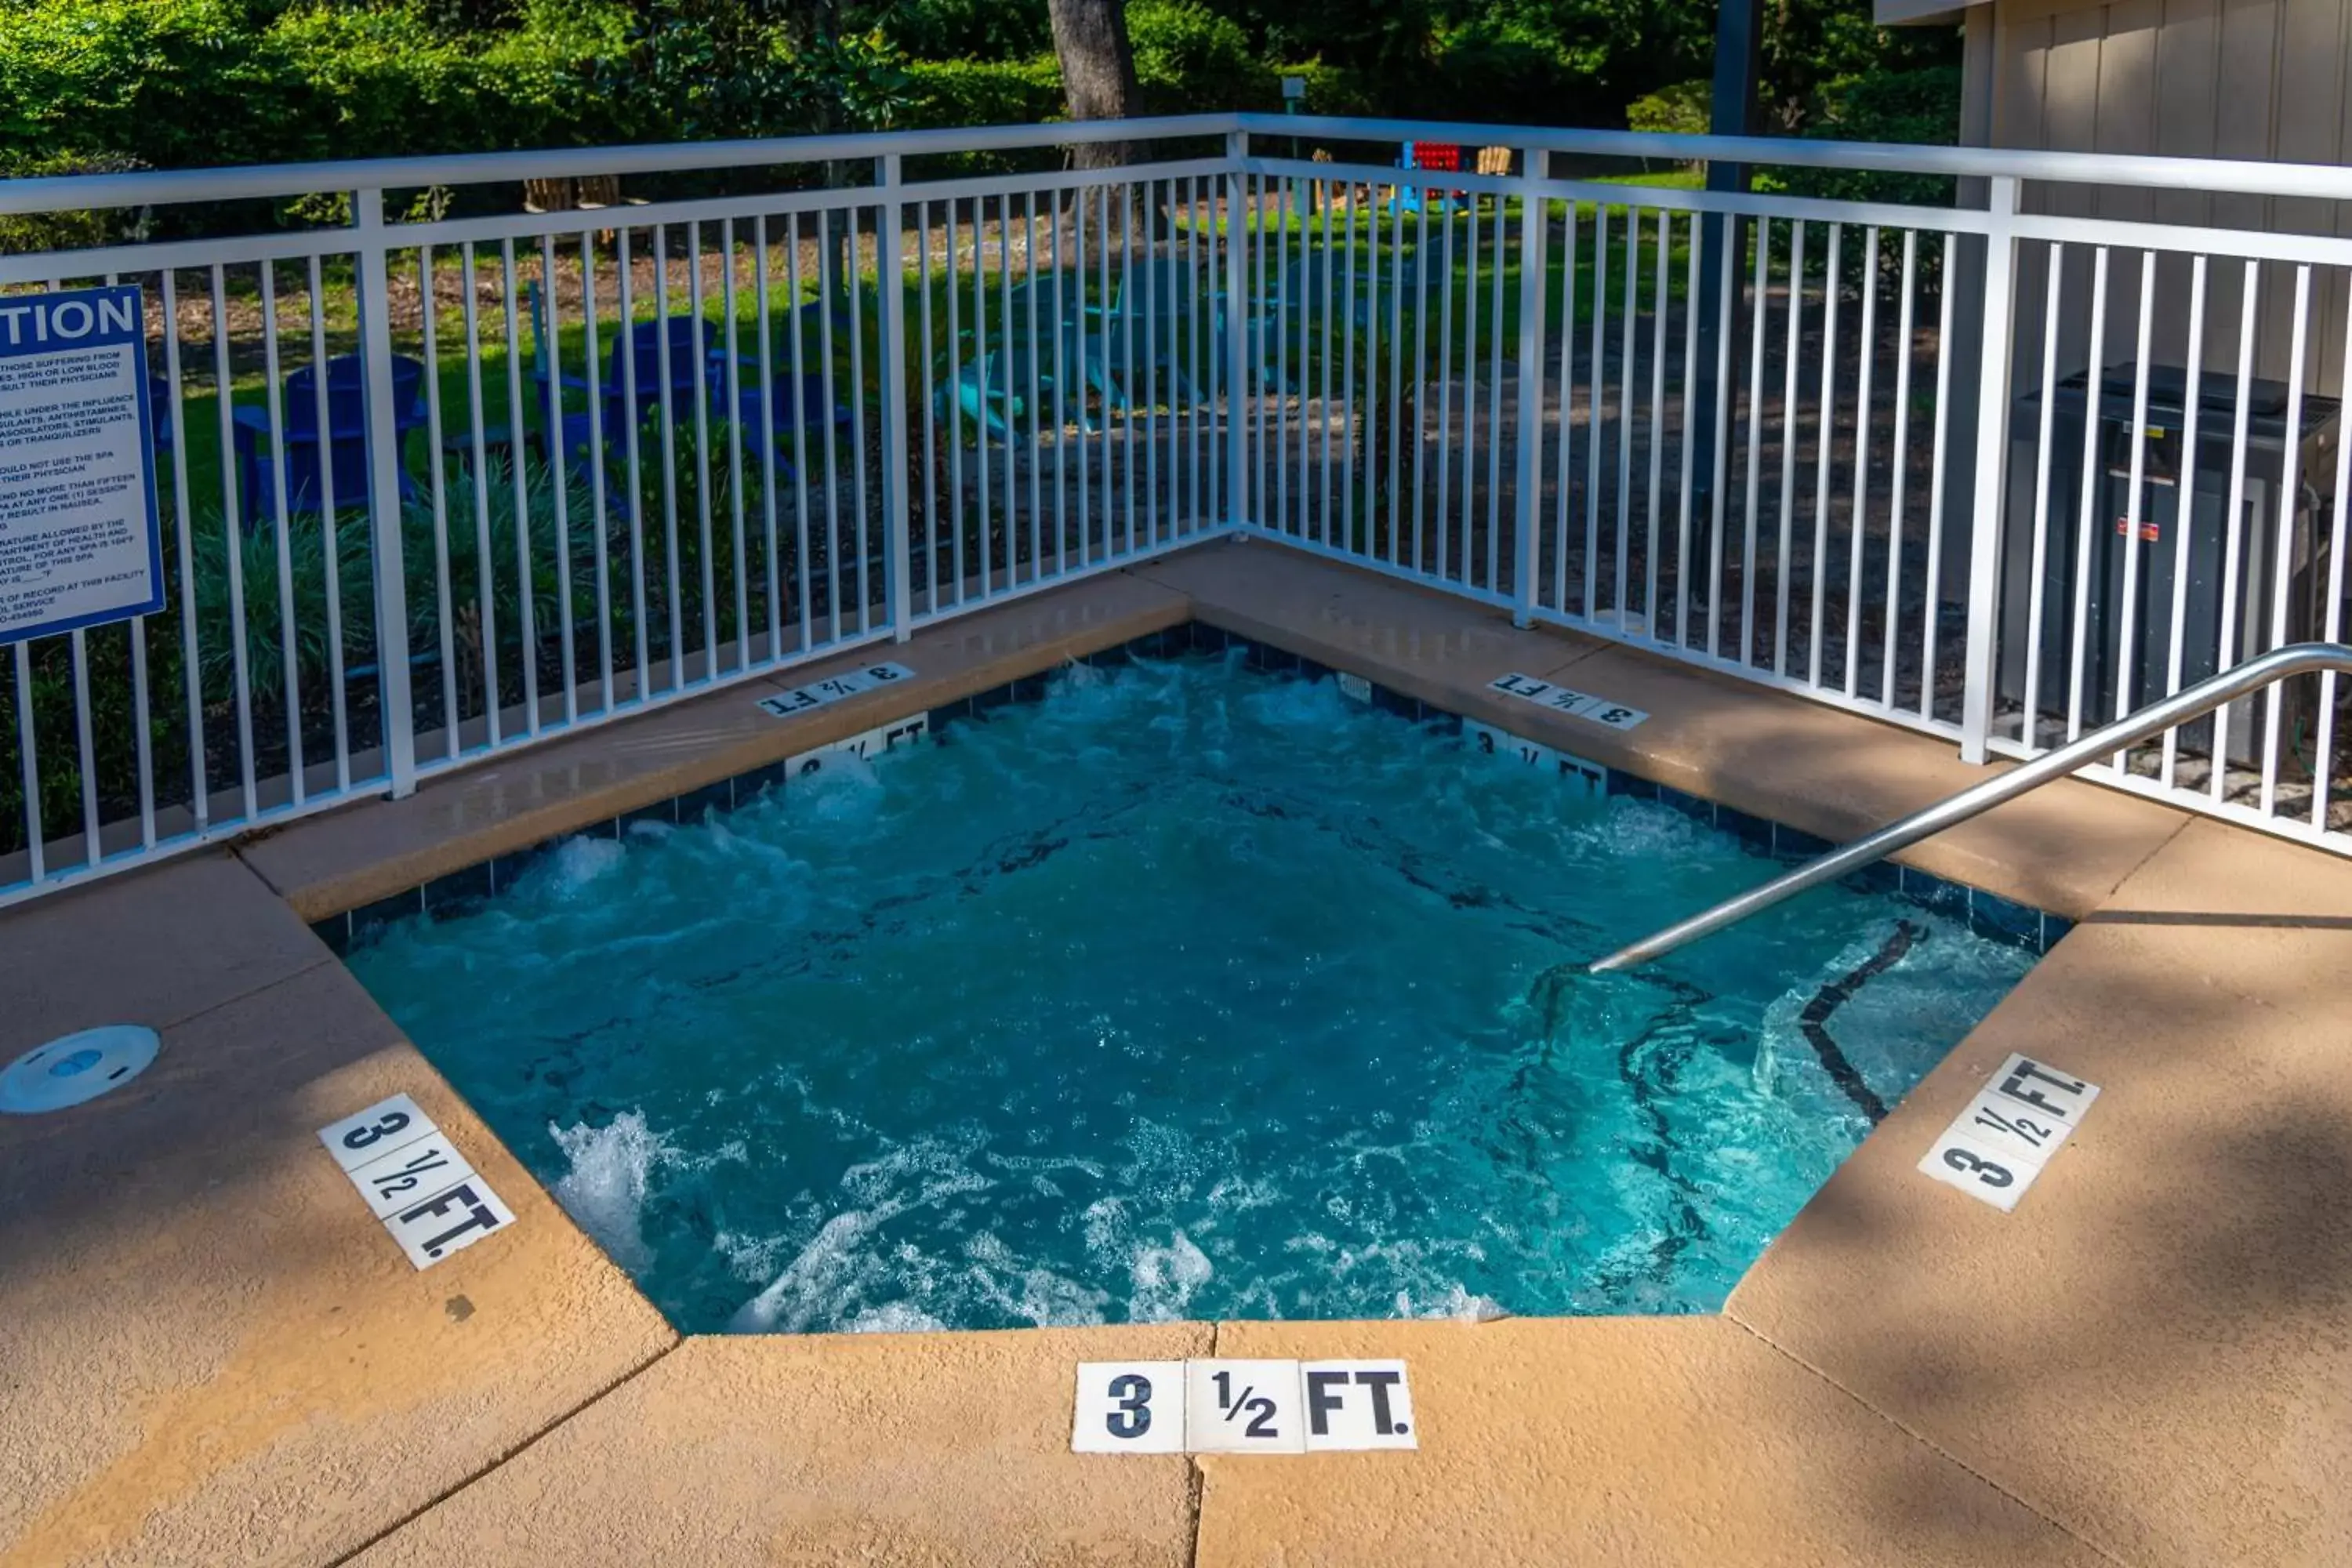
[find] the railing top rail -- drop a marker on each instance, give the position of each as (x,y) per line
(74,192)
(2320,180)
(161,187)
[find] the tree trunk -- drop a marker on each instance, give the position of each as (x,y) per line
(1097,72)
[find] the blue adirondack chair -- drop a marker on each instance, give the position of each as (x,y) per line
(344,462)
(990,389)
(794,402)
(645,359)
(653,357)
(983,391)
(1158,301)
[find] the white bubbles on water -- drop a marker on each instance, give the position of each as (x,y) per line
(1165,1278)
(1296,705)
(804,1296)
(1454,1304)
(605,1190)
(1106,1224)
(578,862)
(894,1318)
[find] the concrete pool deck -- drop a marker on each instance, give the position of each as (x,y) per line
(209,1353)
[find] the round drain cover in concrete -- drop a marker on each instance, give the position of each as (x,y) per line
(76,1067)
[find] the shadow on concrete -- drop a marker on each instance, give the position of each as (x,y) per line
(2149,1349)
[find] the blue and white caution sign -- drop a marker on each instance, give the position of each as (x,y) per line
(79,539)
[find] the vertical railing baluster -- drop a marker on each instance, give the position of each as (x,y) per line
(889,282)
(1859,505)
(2290,499)
(1532,238)
(2094,395)
(2186,483)
(1901,465)
(1695,243)
(2331,627)
(1939,449)
(517,444)
(2127,646)
(1824,438)
(1760,299)
(398,718)
(1236,320)
(1790,358)
(559,480)
(429,302)
(1991,471)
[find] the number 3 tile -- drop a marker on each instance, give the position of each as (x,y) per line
(1979,1170)
(1129,1407)
(367,1136)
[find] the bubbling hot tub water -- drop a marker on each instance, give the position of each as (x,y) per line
(1187,991)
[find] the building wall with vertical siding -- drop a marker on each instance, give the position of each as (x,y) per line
(2199,78)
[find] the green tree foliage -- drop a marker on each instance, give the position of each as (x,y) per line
(1681,110)
(98,84)
(702,70)
(170,83)
(1921,104)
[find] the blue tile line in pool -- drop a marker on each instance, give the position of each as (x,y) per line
(1987,914)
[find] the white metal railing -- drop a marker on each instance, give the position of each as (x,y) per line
(562,467)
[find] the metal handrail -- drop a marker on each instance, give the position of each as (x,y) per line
(2295,658)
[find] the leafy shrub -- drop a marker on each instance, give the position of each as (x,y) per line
(984,30)
(1684,109)
(182,83)
(1190,59)
(703,69)
(1921,106)
(1340,90)
(67,230)
(982,92)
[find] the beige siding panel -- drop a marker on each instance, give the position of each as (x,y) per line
(2127,97)
(2243,110)
(2310,84)
(2070,87)
(2221,78)
(2245,127)
(2188,63)
(2021,61)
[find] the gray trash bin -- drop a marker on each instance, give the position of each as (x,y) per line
(2094,566)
